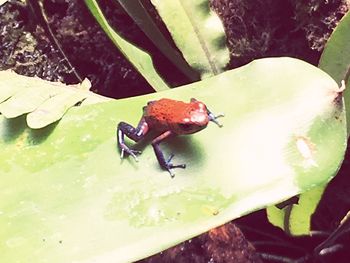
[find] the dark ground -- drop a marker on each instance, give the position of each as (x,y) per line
(254,29)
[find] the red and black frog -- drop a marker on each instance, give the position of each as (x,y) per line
(169,118)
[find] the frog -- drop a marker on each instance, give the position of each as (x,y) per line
(169,118)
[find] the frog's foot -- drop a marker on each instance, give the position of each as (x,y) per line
(126,149)
(213,118)
(169,166)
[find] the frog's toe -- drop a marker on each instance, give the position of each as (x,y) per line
(169,166)
(131,152)
(213,118)
(183,166)
(172,175)
(134,154)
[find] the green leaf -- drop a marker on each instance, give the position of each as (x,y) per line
(141,17)
(3,2)
(140,59)
(335,59)
(197,32)
(52,110)
(295,219)
(45,101)
(26,101)
(9,86)
(67,197)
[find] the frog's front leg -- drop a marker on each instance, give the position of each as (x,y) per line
(213,117)
(135,134)
(165,164)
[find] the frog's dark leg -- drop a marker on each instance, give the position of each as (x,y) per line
(213,117)
(165,164)
(134,134)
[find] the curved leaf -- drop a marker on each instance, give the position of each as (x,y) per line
(67,197)
(139,14)
(295,219)
(140,59)
(335,59)
(197,32)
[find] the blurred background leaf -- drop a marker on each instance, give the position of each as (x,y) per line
(140,59)
(197,32)
(142,18)
(295,219)
(335,59)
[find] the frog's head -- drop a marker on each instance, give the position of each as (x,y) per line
(195,119)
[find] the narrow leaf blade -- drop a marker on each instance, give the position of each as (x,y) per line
(335,59)
(140,59)
(296,219)
(197,32)
(139,14)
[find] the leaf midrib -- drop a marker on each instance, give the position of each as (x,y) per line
(201,40)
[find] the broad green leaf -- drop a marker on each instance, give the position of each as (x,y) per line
(140,59)
(45,101)
(141,17)
(335,59)
(67,197)
(197,32)
(296,219)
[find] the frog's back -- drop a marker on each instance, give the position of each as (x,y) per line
(161,114)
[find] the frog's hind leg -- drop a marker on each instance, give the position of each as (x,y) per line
(134,134)
(165,164)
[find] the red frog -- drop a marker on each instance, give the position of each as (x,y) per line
(169,118)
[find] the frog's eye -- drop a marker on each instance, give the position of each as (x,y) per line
(185,126)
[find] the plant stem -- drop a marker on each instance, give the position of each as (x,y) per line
(37,8)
